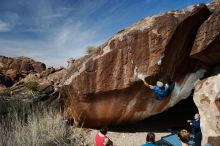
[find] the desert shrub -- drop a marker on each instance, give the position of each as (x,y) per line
(31,85)
(3,109)
(43,127)
(6,93)
(90,49)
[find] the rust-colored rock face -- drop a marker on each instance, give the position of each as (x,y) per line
(207,99)
(206,46)
(103,89)
(19,67)
(51,76)
(17,73)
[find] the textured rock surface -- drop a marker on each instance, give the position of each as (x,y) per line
(4,82)
(51,76)
(102,88)
(48,84)
(213,5)
(207,99)
(207,47)
(15,73)
(70,62)
(17,68)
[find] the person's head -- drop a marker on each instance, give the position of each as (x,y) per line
(104,130)
(196,116)
(159,84)
(184,136)
(150,137)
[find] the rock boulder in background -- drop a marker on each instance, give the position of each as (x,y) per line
(16,73)
(207,99)
(14,69)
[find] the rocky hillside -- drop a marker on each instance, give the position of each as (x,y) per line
(14,69)
(22,78)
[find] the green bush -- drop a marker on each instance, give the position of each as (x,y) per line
(31,85)
(90,49)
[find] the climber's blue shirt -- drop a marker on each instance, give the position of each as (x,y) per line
(160,92)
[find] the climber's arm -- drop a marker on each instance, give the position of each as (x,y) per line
(147,85)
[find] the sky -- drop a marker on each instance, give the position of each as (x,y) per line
(52,31)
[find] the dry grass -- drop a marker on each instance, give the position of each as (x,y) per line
(42,128)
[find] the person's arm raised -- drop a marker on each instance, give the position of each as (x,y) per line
(147,85)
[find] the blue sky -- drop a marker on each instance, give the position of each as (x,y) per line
(52,31)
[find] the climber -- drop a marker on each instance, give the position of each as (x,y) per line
(160,90)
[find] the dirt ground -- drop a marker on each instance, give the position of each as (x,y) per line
(124,139)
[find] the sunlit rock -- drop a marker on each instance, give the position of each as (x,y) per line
(102,88)
(207,99)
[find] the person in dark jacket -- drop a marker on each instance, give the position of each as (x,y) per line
(196,130)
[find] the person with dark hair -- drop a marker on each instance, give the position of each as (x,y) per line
(101,138)
(150,139)
(184,137)
(196,130)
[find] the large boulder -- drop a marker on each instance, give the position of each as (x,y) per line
(206,47)
(207,99)
(102,88)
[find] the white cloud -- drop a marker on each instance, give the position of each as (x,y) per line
(74,34)
(4,27)
(69,40)
(57,40)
